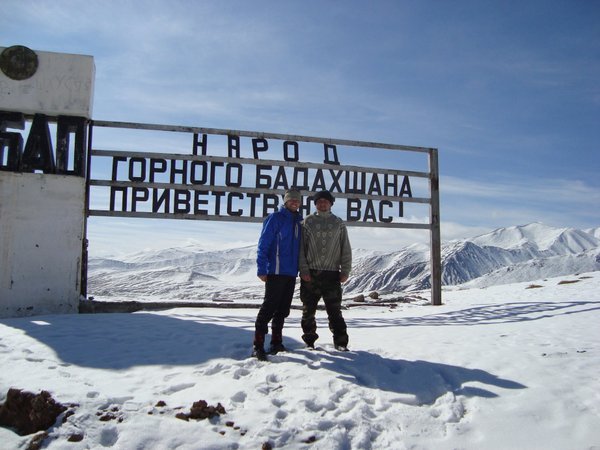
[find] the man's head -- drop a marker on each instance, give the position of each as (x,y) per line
(292,199)
(323,200)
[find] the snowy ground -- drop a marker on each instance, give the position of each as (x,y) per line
(505,367)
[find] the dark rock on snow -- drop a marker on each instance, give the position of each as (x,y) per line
(27,413)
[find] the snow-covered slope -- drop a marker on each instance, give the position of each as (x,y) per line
(593,231)
(506,255)
(507,367)
(539,239)
(187,273)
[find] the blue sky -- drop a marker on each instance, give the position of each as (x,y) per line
(508,91)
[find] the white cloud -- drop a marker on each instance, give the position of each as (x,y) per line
(505,201)
(532,188)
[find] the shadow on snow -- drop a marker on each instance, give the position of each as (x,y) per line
(485,314)
(121,341)
(418,382)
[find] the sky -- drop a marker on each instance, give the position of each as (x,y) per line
(496,368)
(508,92)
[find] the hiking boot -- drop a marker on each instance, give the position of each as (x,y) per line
(309,339)
(259,353)
(341,348)
(276,348)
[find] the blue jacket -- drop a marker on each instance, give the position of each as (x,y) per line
(279,244)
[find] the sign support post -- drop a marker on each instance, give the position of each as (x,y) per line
(434,220)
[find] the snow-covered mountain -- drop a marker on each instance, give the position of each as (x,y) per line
(184,273)
(506,255)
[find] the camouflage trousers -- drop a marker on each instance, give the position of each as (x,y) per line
(325,284)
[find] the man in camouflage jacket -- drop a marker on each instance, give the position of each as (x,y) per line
(325,263)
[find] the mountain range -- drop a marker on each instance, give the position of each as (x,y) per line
(506,255)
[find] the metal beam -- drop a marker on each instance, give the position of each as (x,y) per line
(436,253)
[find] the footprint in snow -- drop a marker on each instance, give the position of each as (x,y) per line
(281,414)
(177,388)
(239,373)
(217,368)
(272,378)
(239,397)
(555,355)
(109,436)
(278,402)
(34,360)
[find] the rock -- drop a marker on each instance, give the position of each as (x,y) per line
(76,437)
(201,410)
(374,295)
(37,441)
(359,298)
(182,416)
(27,413)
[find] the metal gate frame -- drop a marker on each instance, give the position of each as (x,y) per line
(432,175)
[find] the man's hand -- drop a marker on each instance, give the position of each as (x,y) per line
(263,278)
(343,278)
(306,278)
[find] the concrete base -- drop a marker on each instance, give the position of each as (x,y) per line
(41,235)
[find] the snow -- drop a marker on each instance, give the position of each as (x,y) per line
(541,237)
(594,232)
(511,366)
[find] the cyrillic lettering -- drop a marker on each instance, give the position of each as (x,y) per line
(142,169)
(263,180)
(259,145)
(326,148)
(286,147)
(138,194)
(233,146)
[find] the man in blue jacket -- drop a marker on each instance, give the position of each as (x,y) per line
(277,265)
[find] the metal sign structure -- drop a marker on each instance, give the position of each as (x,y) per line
(212,174)
(231,175)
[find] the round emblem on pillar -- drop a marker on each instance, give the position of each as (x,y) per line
(18,62)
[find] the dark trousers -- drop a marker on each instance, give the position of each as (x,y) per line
(279,290)
(324,284)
